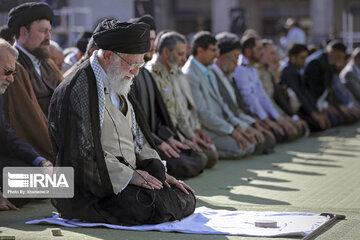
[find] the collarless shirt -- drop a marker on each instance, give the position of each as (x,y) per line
(36,62)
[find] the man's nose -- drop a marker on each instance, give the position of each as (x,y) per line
(10,78)
(135,71)
(48,35)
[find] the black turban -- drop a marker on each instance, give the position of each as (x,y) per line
(123,37)
(83,40)
(26,13)
(227,42)
(148,19)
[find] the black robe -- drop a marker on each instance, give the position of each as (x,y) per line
(74,128)
(43,86)
(190,163)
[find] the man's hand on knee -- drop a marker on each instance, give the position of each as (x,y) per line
(144,179)
(170,180)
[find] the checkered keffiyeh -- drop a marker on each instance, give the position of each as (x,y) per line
(137,133)
(99,75)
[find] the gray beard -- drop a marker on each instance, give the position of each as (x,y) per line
(173,64)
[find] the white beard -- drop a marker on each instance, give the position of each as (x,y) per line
(118,83)
(3,88)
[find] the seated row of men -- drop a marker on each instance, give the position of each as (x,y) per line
(114,119)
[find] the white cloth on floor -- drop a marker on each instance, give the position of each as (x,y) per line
(210,221)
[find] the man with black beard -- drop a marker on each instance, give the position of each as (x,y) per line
(31,23)
(27,100)
(98,128)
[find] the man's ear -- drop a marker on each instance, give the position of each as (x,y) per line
(166,52)
(108,56)
(23,31)
(200,50)
(291,59)
(106,59)
(247,51)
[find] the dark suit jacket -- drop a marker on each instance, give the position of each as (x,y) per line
(10,145)
(318,76)
(291,78)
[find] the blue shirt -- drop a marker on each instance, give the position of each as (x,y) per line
(256,100)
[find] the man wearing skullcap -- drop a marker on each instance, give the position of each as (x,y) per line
(225,130)
(181,161)
(97,128)
(223,69)
(27,100)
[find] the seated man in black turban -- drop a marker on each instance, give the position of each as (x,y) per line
(98,129)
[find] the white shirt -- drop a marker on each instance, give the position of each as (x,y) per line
(34,60)
(295,35)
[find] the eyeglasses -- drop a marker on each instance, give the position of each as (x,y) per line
(8,72)
(132,65)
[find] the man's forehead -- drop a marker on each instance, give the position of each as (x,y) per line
(133,56)
(180,45)
(7,59)
(41,23)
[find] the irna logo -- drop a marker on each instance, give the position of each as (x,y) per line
(34,180)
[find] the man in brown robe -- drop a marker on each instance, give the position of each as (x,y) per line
(27,100)
(13,151)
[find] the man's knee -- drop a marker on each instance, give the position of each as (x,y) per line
(212,158)
(153,166)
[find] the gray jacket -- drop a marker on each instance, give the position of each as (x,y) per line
(214,114)
(351,78)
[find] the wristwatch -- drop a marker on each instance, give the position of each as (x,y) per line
(46,164)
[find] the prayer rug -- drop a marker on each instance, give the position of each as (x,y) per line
(209,221)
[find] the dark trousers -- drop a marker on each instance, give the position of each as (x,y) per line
(314,126)
(11,162)
(189,164)
(132,206)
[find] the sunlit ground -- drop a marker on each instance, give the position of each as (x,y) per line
(315,174)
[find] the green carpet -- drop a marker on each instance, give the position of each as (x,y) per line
(314,174)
